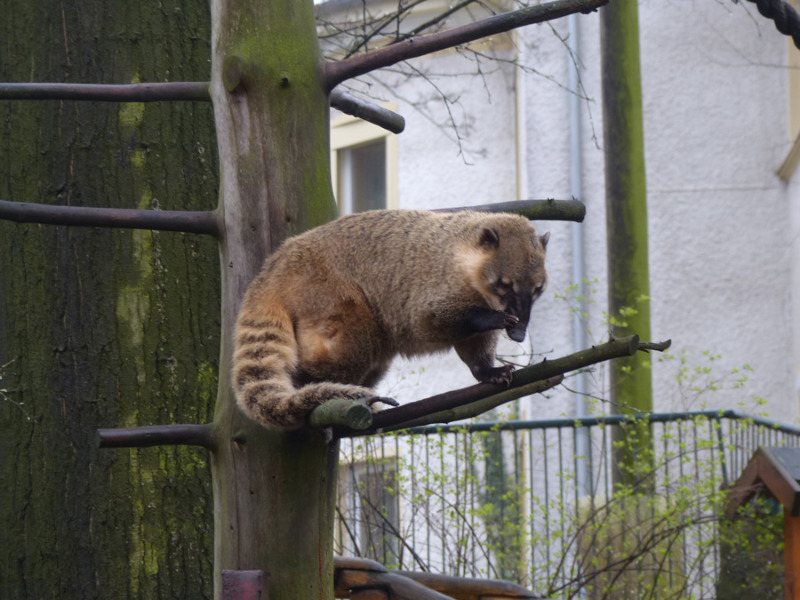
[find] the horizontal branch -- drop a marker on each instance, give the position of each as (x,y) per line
(133,92)
(377,115)
(535,210)
(473,409)
(337,72)
(395,418)
(179,91)
(157,435)
(360,574)
(206,222)
(401,588)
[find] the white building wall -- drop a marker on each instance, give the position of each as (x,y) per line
(723,226)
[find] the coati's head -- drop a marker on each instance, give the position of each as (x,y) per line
(511,273)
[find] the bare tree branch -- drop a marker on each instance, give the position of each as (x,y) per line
(135,92)
(399,417)
(481,406)
(336,72)
(206,222)
(456,404)
(534,210)
(158,435)
(178,91)
(349,104)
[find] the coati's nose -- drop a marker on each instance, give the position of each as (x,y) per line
(517,332)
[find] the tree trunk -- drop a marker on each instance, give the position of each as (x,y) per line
(626,224)
(103,328)
(274,491)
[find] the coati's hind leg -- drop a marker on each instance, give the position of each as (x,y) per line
(478,354)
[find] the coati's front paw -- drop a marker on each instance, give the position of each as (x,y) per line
(498,375)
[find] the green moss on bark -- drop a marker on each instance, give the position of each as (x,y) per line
(105,328)
(626,217)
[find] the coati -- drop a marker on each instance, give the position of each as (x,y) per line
(333,306)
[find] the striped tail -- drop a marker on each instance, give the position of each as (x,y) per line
(264,359)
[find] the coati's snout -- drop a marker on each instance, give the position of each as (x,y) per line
(520,307)
(516,275)
(516,303)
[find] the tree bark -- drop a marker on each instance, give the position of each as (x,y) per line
(274,491)
(105,328)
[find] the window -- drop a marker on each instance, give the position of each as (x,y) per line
(368,510)
(363,165)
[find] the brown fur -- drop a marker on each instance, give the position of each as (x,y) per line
(333,306)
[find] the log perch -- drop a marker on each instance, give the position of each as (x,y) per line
(534,375)
(157,435)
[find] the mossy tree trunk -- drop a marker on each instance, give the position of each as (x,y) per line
(626,224)
(105,328)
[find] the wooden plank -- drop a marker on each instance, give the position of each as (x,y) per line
(779,480)
(774,468)
(744,488)
(463,588)
(791,556)
(244,585)
(789,458)
(369,595)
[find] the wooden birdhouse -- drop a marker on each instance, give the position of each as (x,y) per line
(775,473)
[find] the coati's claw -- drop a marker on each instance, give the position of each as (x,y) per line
(382,400)
(509,320)
(499,375)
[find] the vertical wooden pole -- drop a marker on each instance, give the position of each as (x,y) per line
(273,491)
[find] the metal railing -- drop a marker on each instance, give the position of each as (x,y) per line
(502,500)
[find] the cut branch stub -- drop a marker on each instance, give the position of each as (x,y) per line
(337,72)
(344,412)
(349,104)
(234,72)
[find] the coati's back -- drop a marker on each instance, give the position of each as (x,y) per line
(333,306)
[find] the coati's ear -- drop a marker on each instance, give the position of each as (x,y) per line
(489,238)
(544,239)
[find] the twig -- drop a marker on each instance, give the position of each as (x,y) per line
(337,72)
(206,222)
